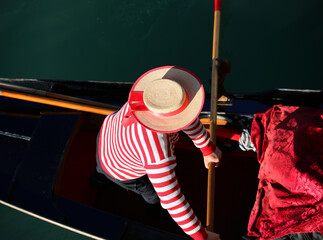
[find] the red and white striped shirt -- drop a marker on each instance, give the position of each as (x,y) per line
(130,152)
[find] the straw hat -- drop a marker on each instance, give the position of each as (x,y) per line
(166,99)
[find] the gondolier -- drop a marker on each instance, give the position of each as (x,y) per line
(136,144)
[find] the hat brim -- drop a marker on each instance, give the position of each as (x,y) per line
(189,82)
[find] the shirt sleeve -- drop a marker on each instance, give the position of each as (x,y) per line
(160,166)
(163,178)
(200,137)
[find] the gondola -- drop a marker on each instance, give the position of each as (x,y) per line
(48,161)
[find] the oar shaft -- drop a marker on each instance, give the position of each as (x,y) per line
(216,34)
(214,97)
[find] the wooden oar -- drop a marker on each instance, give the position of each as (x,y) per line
(214,97)
(54,99)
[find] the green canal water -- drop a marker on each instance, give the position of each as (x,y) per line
(270,44)
(16,225)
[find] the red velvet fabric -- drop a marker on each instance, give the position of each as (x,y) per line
(289,143)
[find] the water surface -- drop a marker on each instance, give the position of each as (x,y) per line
(270,44)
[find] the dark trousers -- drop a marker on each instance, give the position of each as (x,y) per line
(141,186)
(297,236)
